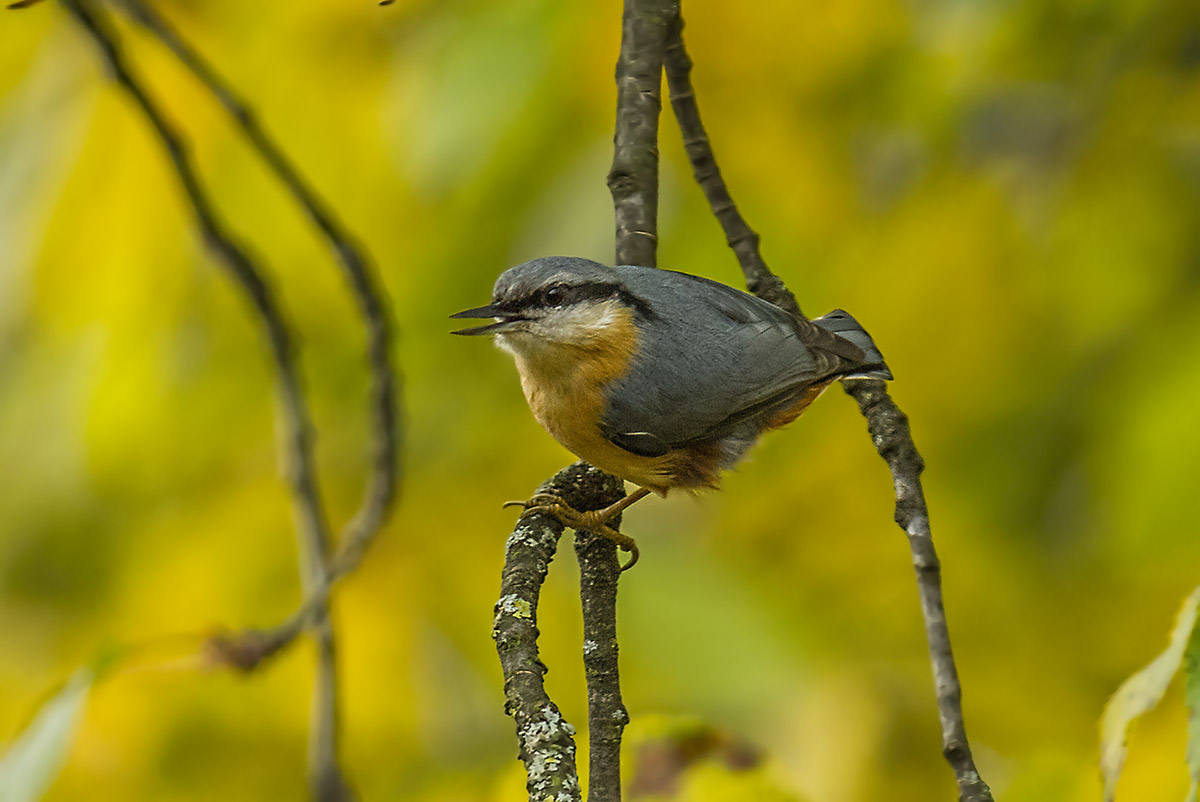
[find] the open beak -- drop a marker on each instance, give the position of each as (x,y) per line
(505,319)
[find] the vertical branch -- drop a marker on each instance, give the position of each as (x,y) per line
(887,425)
(633,179)
(313,531)
(607,716)
(326,781)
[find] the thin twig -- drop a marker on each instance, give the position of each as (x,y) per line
(360,276)
(546,742)
(249,648)
(313,531)
(738,234)
(741,238)
(887,425)
(889,431)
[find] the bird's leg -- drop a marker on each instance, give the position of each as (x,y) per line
(591,520)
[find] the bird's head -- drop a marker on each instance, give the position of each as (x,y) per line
(553,302)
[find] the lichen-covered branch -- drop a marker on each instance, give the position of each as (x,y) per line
(546,741)
(607,717)
(633,179)
(887,425)
(326,776)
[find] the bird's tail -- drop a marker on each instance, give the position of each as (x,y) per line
(843,325)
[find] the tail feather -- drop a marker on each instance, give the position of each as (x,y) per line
(841,323)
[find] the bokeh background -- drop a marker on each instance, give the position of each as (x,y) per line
(1006,193)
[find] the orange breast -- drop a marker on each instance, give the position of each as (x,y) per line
(565,383)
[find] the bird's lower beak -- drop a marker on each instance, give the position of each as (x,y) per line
(503,320)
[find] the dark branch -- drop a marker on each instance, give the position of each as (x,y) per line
(633,181)
(359,274)
(889,431)
(327,780)
(741,238)
(546,743)
(634,184)
(887,425)
(607,717)
(256,645)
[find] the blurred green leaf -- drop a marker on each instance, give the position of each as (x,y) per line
(30,765)
(1140,693)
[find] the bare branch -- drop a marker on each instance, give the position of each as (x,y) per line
(633,179)
(887,425)
(889,431)
(360,276)
(741,238)
(313,530)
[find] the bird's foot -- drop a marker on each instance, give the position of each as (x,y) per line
(595,521)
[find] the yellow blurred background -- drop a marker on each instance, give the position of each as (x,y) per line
(1006,194)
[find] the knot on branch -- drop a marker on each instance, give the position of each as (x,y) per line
(622,183)
(887,424)
(244,650)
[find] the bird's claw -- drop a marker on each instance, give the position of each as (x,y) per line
(589,521)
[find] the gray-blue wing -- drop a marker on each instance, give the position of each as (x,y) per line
(710,358)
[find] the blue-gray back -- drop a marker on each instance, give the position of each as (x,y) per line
(726,358)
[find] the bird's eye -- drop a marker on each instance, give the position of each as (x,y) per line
(554,295)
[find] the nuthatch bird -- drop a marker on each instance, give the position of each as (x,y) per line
(660,378)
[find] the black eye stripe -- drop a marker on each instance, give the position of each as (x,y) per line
(566,294)
(562,294)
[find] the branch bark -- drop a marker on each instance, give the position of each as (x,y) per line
(546,741)
(740,237)
(633,179)
(890,433)
(599,571)
(887,425)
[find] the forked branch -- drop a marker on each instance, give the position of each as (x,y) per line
(546,741)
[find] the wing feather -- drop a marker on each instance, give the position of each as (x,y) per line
(710,359)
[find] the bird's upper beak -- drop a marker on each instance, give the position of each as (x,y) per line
(503,320)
